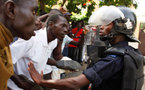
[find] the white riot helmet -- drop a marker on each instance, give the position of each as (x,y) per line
(107,14)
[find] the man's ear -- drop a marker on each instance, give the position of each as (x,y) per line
(10,7)
(50,24)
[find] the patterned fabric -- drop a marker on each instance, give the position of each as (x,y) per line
(6,66)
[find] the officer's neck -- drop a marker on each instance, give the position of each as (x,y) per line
(117,39)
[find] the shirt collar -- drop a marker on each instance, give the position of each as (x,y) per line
(121,44)
(5,36)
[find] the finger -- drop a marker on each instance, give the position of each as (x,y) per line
(42,74)
(28,69)
(30,65)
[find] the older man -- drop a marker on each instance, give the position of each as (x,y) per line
(17,19)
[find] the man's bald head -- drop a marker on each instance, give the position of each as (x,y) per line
(17,2)
(54,12)
(3,1)
(19,16)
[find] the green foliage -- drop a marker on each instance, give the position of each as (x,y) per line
(46,4)
(80,16)
(49,2)
(72,6)
(76,6)
(126,3)
(90,9)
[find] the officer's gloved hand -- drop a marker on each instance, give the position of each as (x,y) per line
(68,65)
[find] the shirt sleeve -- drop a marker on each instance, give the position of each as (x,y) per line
(104,69)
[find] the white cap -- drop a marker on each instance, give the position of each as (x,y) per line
(105,15)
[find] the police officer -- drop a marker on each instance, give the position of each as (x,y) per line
(120,69)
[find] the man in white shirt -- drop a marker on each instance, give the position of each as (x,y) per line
(61,44)
(38,49)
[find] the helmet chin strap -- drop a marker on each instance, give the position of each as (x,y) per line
(110,36)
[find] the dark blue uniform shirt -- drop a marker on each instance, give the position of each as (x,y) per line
(106,74)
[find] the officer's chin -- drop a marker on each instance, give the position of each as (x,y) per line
(106,38)
(103,38)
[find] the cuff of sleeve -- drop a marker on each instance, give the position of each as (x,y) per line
(93,77)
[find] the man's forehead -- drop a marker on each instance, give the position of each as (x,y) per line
(53,12)
(33,4)
(25,2)
(62,19)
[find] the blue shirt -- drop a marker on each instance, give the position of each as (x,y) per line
(107,73)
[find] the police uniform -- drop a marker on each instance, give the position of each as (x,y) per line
(107,73)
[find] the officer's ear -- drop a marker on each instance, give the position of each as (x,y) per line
(10,9)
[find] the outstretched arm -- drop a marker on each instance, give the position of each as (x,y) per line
(22,81)
(64,84)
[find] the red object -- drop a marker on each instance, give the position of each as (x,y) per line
(84,4)
(89,0)
(76,33)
